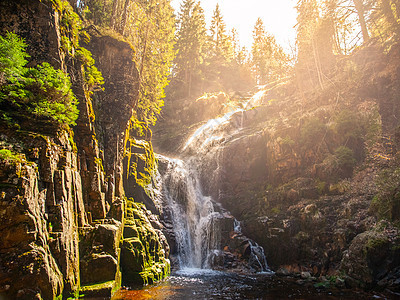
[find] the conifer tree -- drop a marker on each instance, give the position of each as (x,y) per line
(219,52)
(268,58)
(221,46)
(191,39)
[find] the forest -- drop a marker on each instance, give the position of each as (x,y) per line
(147,152)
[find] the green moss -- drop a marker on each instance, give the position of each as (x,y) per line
(276,210)
(98,286)
(9,155)
(141,161)
(376,243)
(375,246)
(143,259)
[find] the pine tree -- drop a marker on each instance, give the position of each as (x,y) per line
(221,46)
(268,58)
(219,53)
(191,38)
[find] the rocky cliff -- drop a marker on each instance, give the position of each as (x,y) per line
(312,175)
(67,226)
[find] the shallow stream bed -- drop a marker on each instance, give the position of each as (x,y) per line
(190,284)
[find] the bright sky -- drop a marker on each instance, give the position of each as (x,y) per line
(279,17)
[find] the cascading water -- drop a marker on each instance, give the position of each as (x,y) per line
(194,215)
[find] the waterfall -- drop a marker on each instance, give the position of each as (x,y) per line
(193,214)
(195,217)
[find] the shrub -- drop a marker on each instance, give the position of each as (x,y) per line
(340,164)
(347,125)
(93,77)
(312,132)
(12,54)
(344,158)
(40,91)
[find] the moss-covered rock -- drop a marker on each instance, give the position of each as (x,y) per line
(371,255)
(143,258)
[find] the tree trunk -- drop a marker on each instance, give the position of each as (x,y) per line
(124,17)
(360,11)
(114,14)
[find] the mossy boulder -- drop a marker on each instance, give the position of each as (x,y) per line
(371,256)
(144,259)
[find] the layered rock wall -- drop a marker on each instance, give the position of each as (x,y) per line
(63,210)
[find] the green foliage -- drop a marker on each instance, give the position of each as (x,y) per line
(71,33)
(344,158)
(191,43)
(152,36)
(6,154)
(312,132)
(372,123)
(138,128)
(339,165)
(220,43)
(70,25)
(204,62)
(347,125)
(41,91)
(98,11)
(268,58)
(149,27)
(12,55)
(93,77)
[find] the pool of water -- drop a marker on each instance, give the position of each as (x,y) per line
(190,284)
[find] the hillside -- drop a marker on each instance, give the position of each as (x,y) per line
(311,174)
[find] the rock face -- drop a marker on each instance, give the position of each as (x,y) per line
(65,222)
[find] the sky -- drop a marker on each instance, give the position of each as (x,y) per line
(279,17)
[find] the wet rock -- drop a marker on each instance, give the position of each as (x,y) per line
(305,275)
(283,272)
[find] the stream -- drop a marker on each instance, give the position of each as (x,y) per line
(189,284)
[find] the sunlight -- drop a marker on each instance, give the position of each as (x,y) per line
(279,17)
